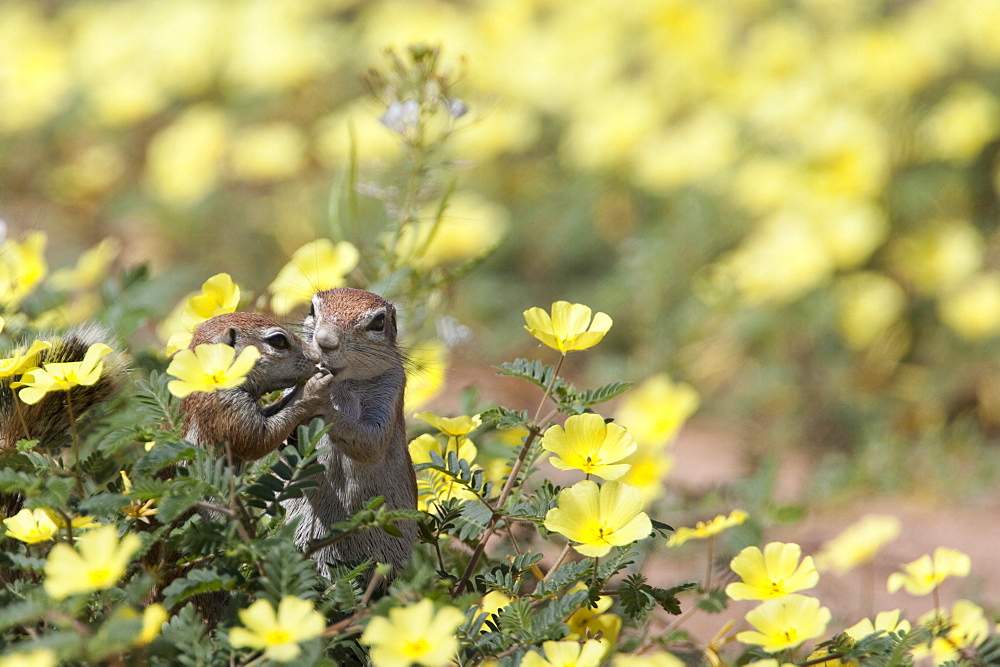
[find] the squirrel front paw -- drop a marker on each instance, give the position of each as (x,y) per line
(317,389)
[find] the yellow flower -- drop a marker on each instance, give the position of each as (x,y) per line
(210,367)
(137,509)
(658,659)
(868,304)
(451,426)
(268,152)
(424,373)
(491,604)
(568,328)
(965,626)
(590,445)
(567,654)
(433,486)
(98,562)
(785,622)
(22,268)
(278,634)
(973,309)
(940,257)
(655,409)
(960,125)
(887,621)
(414,634)
(183,160)
(77,523)
(40,657)
(772,574)
(594,622)
(62,376)
(648,465)
(31,527)
(923,575)
(858,543)
(218,295)
(90,269)
(316,266)
(469,227)
(702,530)
(153,618)
(21,360)
(599,517)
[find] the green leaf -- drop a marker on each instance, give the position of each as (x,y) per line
(202,580)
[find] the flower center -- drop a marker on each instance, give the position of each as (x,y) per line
(98,576)
(277,636)
(416,647)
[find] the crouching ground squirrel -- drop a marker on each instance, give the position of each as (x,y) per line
(235,415)
(353,334)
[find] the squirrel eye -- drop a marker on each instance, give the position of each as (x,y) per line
(277,340)
(377,323)
(312,309)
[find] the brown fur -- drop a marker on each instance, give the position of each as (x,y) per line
(235,415)
(364,408)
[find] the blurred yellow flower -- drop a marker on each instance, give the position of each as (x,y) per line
(965,626)
(424,373)
(972,310)
(469,227)
(153,618)
(655,409)
(98,562)
(451,426)
(91,268)
(858,543)
(21,359)
(962,123)
(218,295)
(491,604)
(22,268)
(77,523)
(568,654)
(40,657)
(923,575)
(268,152)
(415,634)
(699,147)
(353,126)
(183,161)
(786,622)
(886,621)
(940,257)
(598,518)
(703,530)
(657,659)
(508,127)
(568,328)
(34,69)
(649,464)
(210,367)
(278,632)
(850,231)
(62,376)
(31,526)
(590,445)
(868,303)
(318,265)
(774,573)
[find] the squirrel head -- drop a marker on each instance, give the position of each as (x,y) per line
(284,359)
(353,333)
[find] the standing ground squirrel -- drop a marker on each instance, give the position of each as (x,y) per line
(353,333)
(235,415)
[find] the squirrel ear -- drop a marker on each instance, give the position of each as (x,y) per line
(228,337)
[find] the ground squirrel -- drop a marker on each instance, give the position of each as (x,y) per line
(235,415)
(353,333)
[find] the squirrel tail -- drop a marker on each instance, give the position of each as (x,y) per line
(48,421)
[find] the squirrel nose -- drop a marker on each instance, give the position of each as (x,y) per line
(327,339)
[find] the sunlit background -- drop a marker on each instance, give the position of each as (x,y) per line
(791,206)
